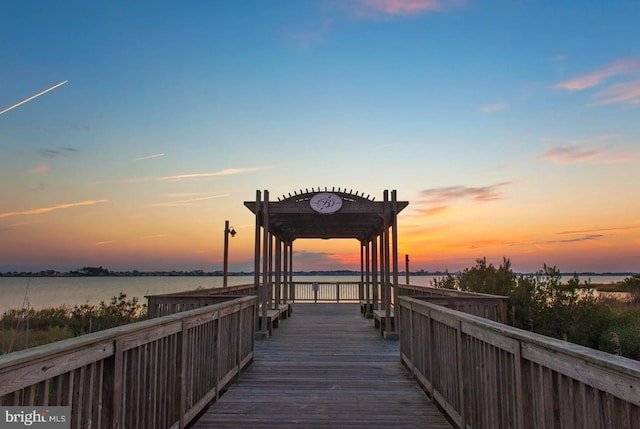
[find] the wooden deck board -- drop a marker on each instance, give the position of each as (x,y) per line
(325,367)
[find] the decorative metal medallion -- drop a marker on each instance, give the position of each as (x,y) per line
(326,203)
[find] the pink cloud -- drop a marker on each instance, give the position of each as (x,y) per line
(494,107)
(42,168)
(402,7)
(589,80)
(570,154)
(627,93)
(482,193)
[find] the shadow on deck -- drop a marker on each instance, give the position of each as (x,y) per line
(326,367)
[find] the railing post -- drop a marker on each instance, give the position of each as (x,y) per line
(461,373)
(338,292)
(181,369)
(118,381)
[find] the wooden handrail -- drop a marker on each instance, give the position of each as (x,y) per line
(159,373)
(489,375)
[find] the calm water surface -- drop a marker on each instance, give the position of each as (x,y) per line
(42,292)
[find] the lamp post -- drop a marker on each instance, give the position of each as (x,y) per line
(227,231)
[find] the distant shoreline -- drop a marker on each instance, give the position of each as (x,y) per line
(200,273)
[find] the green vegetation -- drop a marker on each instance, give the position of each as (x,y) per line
(570,311)
(24,328)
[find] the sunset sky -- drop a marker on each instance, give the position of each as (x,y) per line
(512,128)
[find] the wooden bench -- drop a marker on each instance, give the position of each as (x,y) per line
(285,310)
(366,307)
(379,317)
(273,319)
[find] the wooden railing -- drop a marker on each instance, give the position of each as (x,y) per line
(488,375)
(155,374)
(325,291)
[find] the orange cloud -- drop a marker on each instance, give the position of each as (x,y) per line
(434,210)
(589,80)
(102,243)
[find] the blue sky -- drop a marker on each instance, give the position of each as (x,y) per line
(511,127)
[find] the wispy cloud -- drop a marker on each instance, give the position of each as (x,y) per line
(180,177)
(570,154)
(186,202)
(599,230)
(401,7)
(594,150)
(102,243)
(157,155)
(592,79)
(452,193)
(626,93)
(489,108)
(434,210)
(590,237)
(40,169)
(52,153)
(43,210)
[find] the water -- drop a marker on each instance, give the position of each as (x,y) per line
(43,292)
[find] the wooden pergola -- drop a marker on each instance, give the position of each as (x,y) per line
(325,214)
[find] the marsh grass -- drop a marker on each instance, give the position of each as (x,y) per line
(25,327)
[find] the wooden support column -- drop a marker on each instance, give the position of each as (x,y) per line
(361,286)
(270,288)
(285,272)
(292,286)
(368,291)
(374,271)
(278,273)
(256,266)
(381,267)
(264,329)
(394,256)
(387,268)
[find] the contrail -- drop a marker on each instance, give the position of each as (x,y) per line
(32,97)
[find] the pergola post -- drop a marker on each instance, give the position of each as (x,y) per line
(361,286)
(264,330)
(369,307)
(389,328)
(394,257)
(278,273)
(374,271)
(292,286)
(256,266)
(285,272)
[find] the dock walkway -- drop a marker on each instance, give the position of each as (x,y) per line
(325,367)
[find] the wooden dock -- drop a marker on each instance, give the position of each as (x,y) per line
(325,367)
